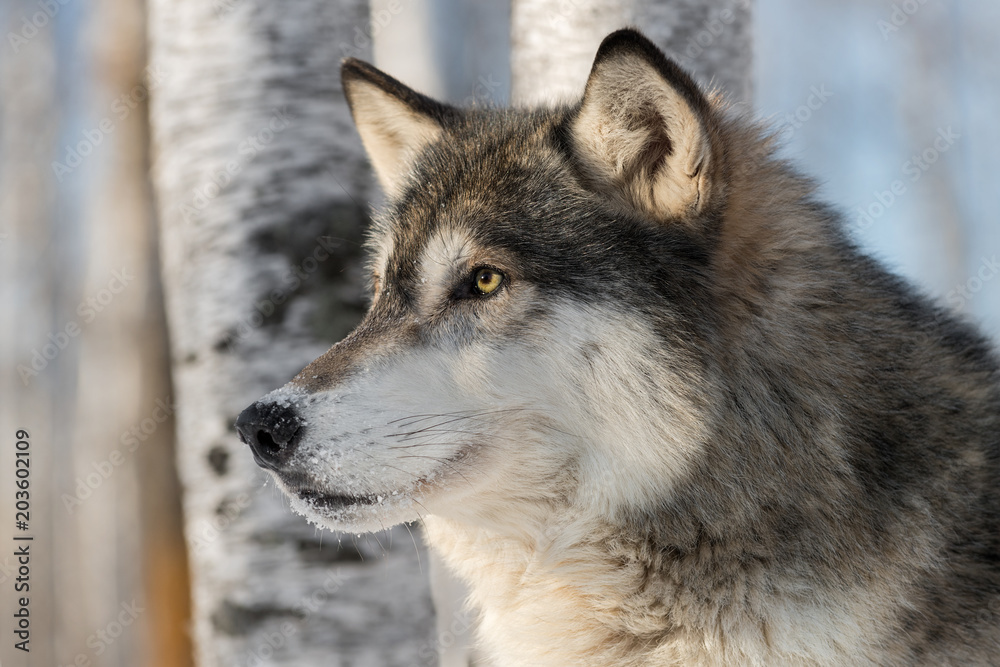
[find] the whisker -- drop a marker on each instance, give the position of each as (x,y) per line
(439,460)
(379,542)
(452,416)
(415,475)
(354,538)
(404,437)
(473,436)
(416,549)
(421,417)
(431,428)
(426,511)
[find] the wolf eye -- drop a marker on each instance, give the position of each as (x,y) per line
(486,281)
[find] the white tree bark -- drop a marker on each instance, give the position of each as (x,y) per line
(456,51)
(554,41)
(263,193)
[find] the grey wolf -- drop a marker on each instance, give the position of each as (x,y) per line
(652,404)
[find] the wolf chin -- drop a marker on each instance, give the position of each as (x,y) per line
(651,403)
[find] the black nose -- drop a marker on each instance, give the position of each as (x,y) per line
(271,430)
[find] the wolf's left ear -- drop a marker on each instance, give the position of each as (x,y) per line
(395,122)
(643,129)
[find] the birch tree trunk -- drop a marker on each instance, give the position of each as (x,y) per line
(263,193)
(554,41)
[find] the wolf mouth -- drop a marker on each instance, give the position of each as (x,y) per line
(334,501)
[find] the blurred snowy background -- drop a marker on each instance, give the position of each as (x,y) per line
(910,94)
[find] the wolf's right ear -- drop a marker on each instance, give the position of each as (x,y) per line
(643,132)
(395,122)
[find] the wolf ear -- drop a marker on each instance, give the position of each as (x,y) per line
(643,129)
(395,122)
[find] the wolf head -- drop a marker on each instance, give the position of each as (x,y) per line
(541,311)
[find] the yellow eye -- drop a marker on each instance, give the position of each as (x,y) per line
(488,280)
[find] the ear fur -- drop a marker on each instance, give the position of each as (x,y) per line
(394,121)
(643,130)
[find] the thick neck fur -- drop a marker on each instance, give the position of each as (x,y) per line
(571,591)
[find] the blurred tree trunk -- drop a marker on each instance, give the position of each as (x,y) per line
(126,536)
(129,352)
(84,359)
(554,41)
(456,51)
(263,192)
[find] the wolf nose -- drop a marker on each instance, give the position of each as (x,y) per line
(271,430)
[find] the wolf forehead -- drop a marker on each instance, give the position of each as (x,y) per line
(497,178)
(502,189)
